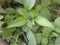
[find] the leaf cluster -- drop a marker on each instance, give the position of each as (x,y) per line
(30,22)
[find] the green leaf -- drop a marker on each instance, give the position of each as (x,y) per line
(33,22)
(29,24)
(38,37)
(19,1)
(57,29)
(28,4)
(8,1)
(43,22)
(1,23)
(8,18)
(46,32)
(17,22)
(2,10)
(22,43)
(45,12)
(54,34)
(1,17)
(33,13)
(39,7)
(22,12)
(56,1)
(9,10)
(25,28)
(50,44)
(44,41)
(14,44)
(31,38)
(7,32)
(45,3)
(57,21)
(57,41)
(1,30)
(35,27)
(57,24)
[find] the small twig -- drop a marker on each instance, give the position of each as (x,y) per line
(26,40)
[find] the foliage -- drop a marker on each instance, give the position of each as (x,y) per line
(30,22)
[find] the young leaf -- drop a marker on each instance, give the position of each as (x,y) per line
(39,7)
(43,22)
(29,24)
(1,17)
(54,34)
(57,29)
(8,18)
(38,37)
(33,13)
(56,1)
(45,3)
(28,4)
(57,24)
(9,10)
(19,1)
(31,38)
(7,32)
(35,27)
(57,42)
(44,41)
(1,23)
(17,22)
(8,1)
(2,10)
(22,12)
(25,28)
(45,12)
(50,44)
(57,21)
(45,32)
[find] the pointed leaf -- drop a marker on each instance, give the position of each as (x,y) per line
(46,13)
(31,38)
(29,24)
(1,23)
(57,21)
(7,32)
(10,10)
(2,10)
(57,42)
(17,22)
(43,22)
(22,12)
(19,1)
(46,32)
(56,1)
(45,3)
(44,41)
(1,17)
(28,4)
(38,37)
(57,29)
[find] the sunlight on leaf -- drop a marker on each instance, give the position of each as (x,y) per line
(17,22)
(43,22)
